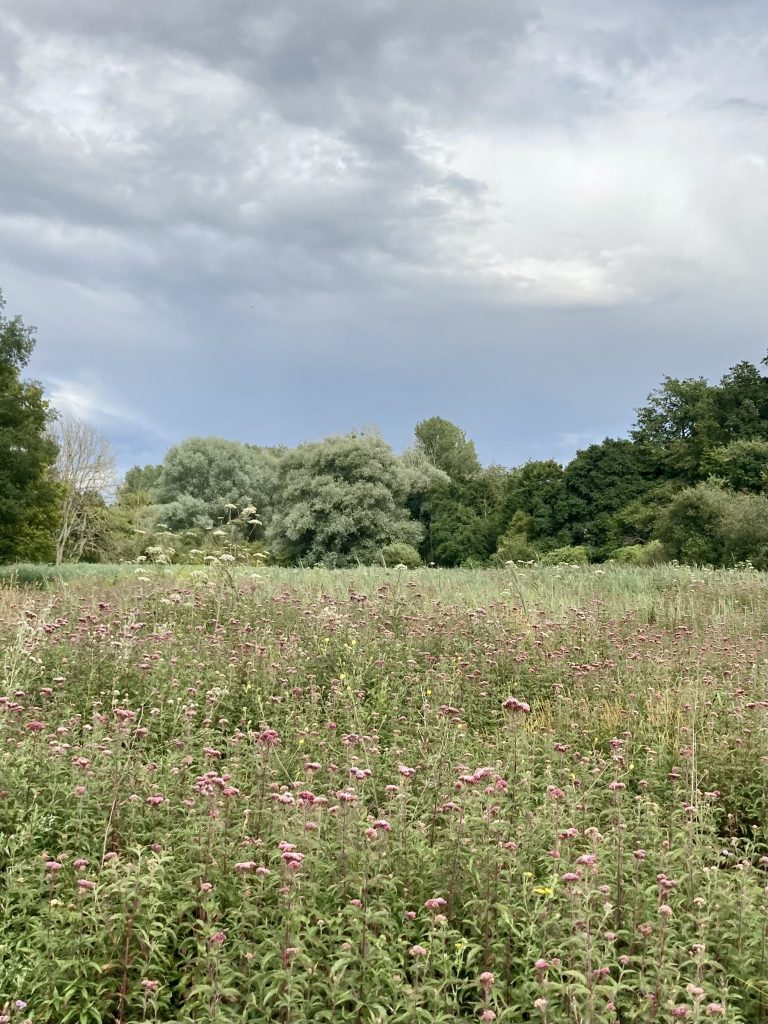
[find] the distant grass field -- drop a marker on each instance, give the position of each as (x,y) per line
(534,794)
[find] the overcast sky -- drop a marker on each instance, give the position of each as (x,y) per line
(277,221)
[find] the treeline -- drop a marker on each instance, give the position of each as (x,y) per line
(690,482)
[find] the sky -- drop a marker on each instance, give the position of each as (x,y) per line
(273,222)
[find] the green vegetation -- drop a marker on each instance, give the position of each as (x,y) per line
(690,484)
(374,795)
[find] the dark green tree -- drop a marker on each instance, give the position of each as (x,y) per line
(600,481)
(27,452)
(466,518)
(538,489)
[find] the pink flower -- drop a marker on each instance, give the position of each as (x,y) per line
(541,1004)
(156,800)
(435,904)
(417,951)
(681,1011)
(35,726)
(218,938)
(589,859)
(53,865)
(487,980)
(382,825)
(665,910)
(405,771)
(289,953)
(715,1009)
(150,986)
(487,1016)
(571,876)
(80,863)
(541,964)
(513,705)
(244,866)
(86,884)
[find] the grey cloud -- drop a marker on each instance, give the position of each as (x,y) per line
(412,202)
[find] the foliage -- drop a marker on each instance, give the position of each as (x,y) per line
(358,797)
(341,501)
(742,465)
(600,481)
(464,519)
(652,553)
(446,446)
(401,554)
(568,555)
(27,492)
(683,420)
(202,475)
(538,490)
(708,525)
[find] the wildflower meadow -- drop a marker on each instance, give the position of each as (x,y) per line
(524,794)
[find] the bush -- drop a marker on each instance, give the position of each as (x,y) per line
(652,553)
(577,555)
(401,554)
(709,525)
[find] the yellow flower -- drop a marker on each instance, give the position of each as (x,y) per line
(544,890)
(527,874)
(429,693)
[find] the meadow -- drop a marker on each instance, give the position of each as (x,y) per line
(533,794)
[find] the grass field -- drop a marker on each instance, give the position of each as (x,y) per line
(312,796)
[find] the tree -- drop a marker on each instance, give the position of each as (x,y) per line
(203,475)
(742,465)
(341,501)
(685,419)
(446,446)
(85,470)
(27,452)
(538,489)
(601,480)
(466,518)
(709,525)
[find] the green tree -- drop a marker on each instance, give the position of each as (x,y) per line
(464,518)
(709,525)
(742,465)
(538,489)
(446,446)
(340,501)
(685,419)
(27,491)
(203,475)
(600,481)
(138,484)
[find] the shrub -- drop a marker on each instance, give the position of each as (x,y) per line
(577,555)
(652,553)
(400,553)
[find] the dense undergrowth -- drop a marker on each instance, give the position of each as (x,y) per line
(408,796)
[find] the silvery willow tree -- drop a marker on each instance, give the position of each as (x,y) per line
(203,476)
(341,501)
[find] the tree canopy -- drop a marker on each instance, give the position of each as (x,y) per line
(341,501)
(28,494)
